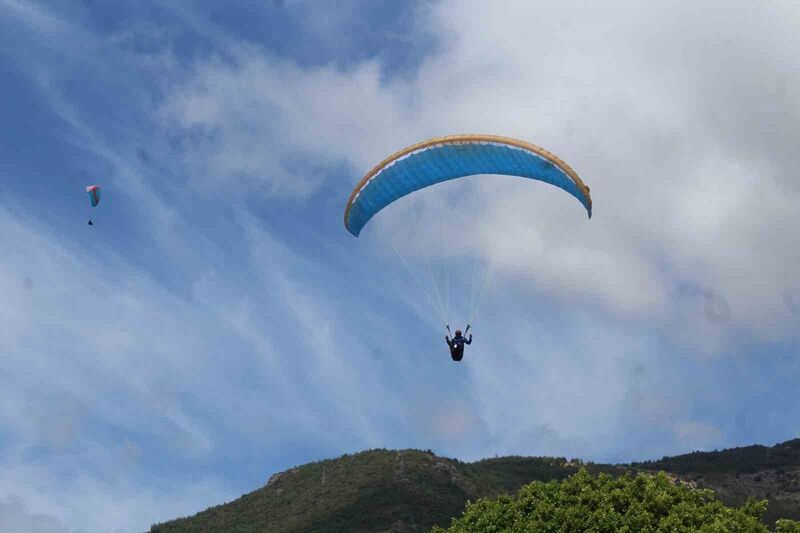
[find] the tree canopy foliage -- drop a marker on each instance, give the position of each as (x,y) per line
(744,459)
(582,502)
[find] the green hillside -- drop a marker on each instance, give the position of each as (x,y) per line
(377,490)
(736,474)
(413,490)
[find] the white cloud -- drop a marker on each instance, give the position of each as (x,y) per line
(15,518)
(697,435)
(265,125)
(623,93)
(33,498)
(96,344)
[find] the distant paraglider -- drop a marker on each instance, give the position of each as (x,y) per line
(94,194)
(94,197)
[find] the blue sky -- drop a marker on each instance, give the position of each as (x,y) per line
(218,324)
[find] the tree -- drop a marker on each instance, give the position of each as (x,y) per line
(644,503)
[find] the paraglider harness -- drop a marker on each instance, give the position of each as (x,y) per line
(457,343)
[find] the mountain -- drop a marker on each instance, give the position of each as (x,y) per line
(413,490)
(762,472)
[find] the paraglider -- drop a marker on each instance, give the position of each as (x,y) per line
(456,345)
(448,158)
(94,197)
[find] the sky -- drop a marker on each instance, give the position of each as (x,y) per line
(218,324)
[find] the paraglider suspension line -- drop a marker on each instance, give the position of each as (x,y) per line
(389,240)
